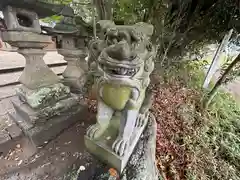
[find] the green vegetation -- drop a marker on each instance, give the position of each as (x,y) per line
(200,144)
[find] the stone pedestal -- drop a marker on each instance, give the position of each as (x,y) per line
(41,75)
(48,107)
(76,70)
(102,147)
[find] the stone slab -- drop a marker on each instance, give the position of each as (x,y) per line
(101,147)
(16,36)
(41,135)
(26,39)
(20,121)
(8,128)
(34,117)
(45,131)
(73,53)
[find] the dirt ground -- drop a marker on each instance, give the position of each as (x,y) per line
(52,161)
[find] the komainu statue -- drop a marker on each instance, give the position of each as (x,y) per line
(124,61)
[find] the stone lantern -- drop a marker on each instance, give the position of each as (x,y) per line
(47,106)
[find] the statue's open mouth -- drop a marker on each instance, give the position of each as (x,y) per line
(119,71)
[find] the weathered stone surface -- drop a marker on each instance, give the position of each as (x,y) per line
(76,70)
(73,57)
(26,39)
(11,17)
(43,97)
(141,27)
(33,117)
(36,73)
(41,135)
(19,118)
(101,149)
(44,131)
(8,128)
(142,165)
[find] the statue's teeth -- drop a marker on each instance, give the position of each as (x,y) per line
(123,71)
(119,70)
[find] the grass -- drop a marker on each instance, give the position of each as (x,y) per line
(194,143)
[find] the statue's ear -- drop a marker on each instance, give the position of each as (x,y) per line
(149,64)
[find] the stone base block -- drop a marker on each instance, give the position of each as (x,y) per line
(43,97)
(40,135)
(42,132)
(102,147)
(29,117)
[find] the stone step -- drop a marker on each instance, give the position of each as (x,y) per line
(8,128)
(13,77)
(14,59)
(10,133)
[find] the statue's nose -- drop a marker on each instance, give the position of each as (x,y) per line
(120,51)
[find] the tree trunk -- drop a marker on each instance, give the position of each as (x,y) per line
(214,91)
(149,10)
(104,9)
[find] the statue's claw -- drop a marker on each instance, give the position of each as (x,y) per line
(93,131)
(119,146)
(141,119)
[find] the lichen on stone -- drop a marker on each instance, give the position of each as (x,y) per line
(58,108)
(47,96)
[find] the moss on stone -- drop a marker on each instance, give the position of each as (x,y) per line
(45,96)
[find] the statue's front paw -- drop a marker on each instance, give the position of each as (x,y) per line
(120,146)
(94,131)
(141,119)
